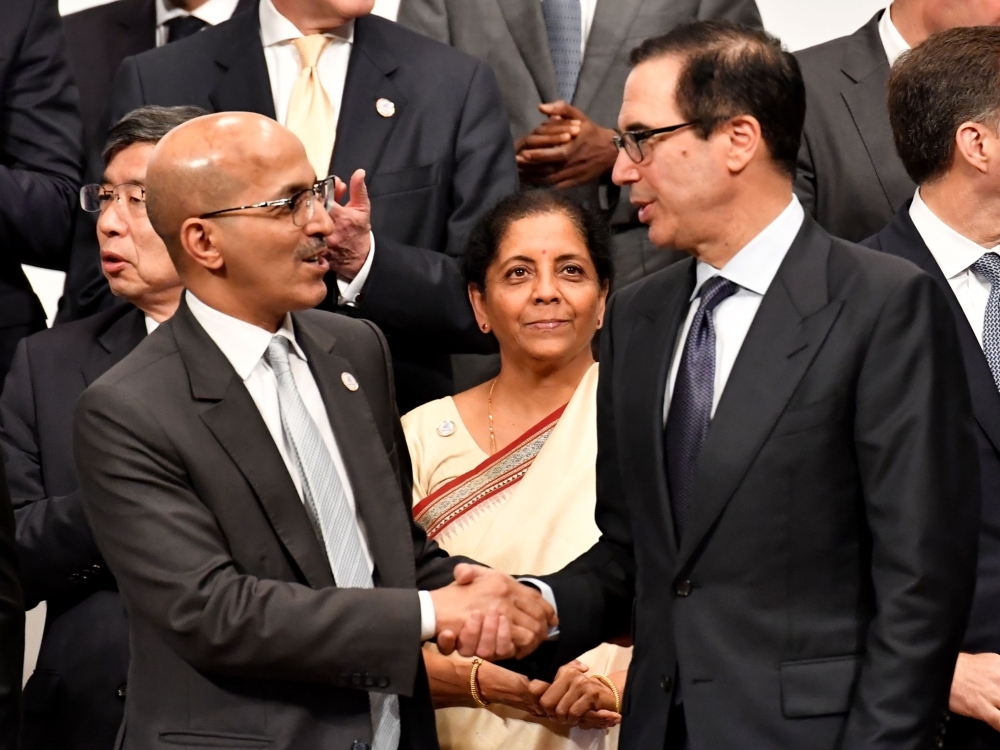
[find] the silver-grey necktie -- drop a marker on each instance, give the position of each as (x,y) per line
(324,496)
(564,26)
(989,267)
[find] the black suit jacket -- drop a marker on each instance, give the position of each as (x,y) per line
(850,176)
(11,626)
(99,39)
(433,168)
(820,591)
(983,634)
(240,636)
(75,698)
(41,159)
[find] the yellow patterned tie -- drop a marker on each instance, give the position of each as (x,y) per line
(310,114)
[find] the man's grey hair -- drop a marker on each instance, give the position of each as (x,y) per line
(146,125)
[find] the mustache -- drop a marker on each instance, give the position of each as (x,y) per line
(308,249)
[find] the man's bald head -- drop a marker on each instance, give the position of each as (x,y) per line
(208,164)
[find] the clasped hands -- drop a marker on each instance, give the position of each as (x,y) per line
(567,150)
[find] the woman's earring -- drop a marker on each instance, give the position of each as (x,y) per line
(486,327)
(600,323)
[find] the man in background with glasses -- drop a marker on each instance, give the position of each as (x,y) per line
(787,477)
(75,698)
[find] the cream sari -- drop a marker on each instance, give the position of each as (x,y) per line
(528,509)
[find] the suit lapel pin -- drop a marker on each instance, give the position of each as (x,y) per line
(350,382)
(446,428)
(385,108)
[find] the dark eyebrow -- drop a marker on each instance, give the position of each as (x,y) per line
(636,127)
(288,190)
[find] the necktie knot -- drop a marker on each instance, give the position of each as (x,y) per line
(277,355)
(183,26)
(715,291)
(989,267)
(310,48)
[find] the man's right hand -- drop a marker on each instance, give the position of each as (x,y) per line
(975,689)
(488,614)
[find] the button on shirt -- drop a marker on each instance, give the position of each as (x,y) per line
(955,255)
(892,41)
(753,269)
(213,13)
(278,36)
(245,345)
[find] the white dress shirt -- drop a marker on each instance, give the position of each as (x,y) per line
(753,269)
(278,35)
(245,345)
(151,325)
(213,13)
(892,40)
(955,254)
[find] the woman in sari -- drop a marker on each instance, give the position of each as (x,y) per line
(504,472)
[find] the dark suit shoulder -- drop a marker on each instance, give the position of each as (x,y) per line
(825,62)
(857,272)
(194,53)
(418,51)
(144,368)
(98,18)
(77,335)
(649,293)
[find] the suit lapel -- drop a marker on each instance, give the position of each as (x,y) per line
(526,25)
(866,65)
(244,84)
(121,336)
(902,238)
(651,351)
(233,418)
(361,131)
(612,21)
(372,478)
(788,331)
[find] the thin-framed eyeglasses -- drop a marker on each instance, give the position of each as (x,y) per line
(631,140)
(127,198)
(301,205)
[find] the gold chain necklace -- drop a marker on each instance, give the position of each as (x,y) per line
(489,409)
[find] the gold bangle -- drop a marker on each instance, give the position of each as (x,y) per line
(474,684)
(614,689)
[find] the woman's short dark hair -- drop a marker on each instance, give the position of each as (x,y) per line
(950,79)
(489,232)
(145,125)
(731,70)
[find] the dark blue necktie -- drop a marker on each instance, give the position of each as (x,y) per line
(182,27)
(564,27)
(691,403)
(989,267)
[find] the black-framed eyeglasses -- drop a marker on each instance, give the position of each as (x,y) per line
(301,205)
(631,140)
(127,198)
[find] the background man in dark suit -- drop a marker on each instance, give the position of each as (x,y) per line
(850,177)
(563,101)
(944,104)
(243,476)
(100,38)
(41,159)
(75,698)
(11,626)
(426,124)
(787,484)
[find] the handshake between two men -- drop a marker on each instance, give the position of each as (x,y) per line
(488,614)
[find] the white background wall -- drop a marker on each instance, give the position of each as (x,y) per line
(799,23)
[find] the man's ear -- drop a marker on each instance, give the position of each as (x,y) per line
(197,238)
(744,139)
(976,145)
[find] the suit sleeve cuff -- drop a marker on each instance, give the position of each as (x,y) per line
(349,291)
(548,595)
(428,619)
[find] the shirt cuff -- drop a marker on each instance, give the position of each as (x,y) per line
(428,619)
(349,291)
(547,594)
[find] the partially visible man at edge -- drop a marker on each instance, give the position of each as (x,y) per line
(75,699)
(944,106)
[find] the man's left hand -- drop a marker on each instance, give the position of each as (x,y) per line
(975,689)
(581,159)
(350,241)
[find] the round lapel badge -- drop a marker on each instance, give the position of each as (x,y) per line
(350,382)
(446,428)
(385,107)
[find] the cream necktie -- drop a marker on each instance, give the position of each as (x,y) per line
(310,114)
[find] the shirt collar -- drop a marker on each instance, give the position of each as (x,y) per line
(151,325)
(244,344)
(892,40)
(755,266)
(213,12)
(954,253)
(276,29)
